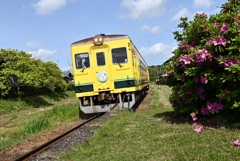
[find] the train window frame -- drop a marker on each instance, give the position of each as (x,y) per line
(99,62)
(82,60)
(116,60)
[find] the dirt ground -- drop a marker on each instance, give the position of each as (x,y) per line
(28,144)
(144,103)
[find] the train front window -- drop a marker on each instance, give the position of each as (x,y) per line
(101,59)
(119,55)
(82,60)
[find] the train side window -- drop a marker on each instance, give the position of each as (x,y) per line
(82,60)
(119,55)
(101,58)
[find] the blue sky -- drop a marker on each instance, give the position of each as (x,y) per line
(46,28)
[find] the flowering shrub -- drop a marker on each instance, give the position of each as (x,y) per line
(204,72)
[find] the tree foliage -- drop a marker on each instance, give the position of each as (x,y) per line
(205,71)
(19,70)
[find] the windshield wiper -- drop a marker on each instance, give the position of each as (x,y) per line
(84,67)
(120,65)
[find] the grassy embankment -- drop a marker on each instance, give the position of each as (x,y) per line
(28,117)
(22,103)
(158,134)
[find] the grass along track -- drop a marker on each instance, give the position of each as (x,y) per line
(157,134)
(21,131)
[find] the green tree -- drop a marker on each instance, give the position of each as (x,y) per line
(28,71)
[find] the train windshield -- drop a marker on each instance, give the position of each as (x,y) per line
(82,60)
(119,55)
(100,58)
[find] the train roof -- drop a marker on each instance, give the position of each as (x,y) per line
(105,37)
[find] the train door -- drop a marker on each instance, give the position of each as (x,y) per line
(102,68)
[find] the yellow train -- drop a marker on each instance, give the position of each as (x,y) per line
(109,73)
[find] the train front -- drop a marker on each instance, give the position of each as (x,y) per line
(103,74)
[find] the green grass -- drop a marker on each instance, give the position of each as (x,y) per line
(30,126)
(18,104)
(62,112)
(157,134)
(36,125)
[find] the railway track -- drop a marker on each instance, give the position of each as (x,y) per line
(33,153)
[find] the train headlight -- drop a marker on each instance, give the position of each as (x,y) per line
(79,89)
(98,40)
(128,84)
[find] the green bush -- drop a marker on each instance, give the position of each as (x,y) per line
(205,72)
(22,74)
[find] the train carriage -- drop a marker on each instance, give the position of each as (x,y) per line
(109,73)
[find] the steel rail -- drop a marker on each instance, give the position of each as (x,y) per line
(50,143)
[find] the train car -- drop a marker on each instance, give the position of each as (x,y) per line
(109,73)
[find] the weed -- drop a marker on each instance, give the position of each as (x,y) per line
(62,112)
(36,125)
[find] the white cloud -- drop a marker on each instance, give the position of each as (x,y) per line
(143,8)
(42,54)
(154,29)
(157,49)
(36,49)
(182,13)
(44,7)
(203,3)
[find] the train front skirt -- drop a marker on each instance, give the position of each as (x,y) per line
(122,101)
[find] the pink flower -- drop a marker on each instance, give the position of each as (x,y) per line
(237,22)
(159,119)
(204,80)
(202,55)
(183,79)
(185,59)
(183,45)
(223,40)
(201,15)
(194,124)
(198,128)
(204,111)
(224,28)
(194,117)
(193,44)
(219,41)
(166,74)
(212,107)
(205,27)
(215,24)
(236,143)
(209,42)
(228,63)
